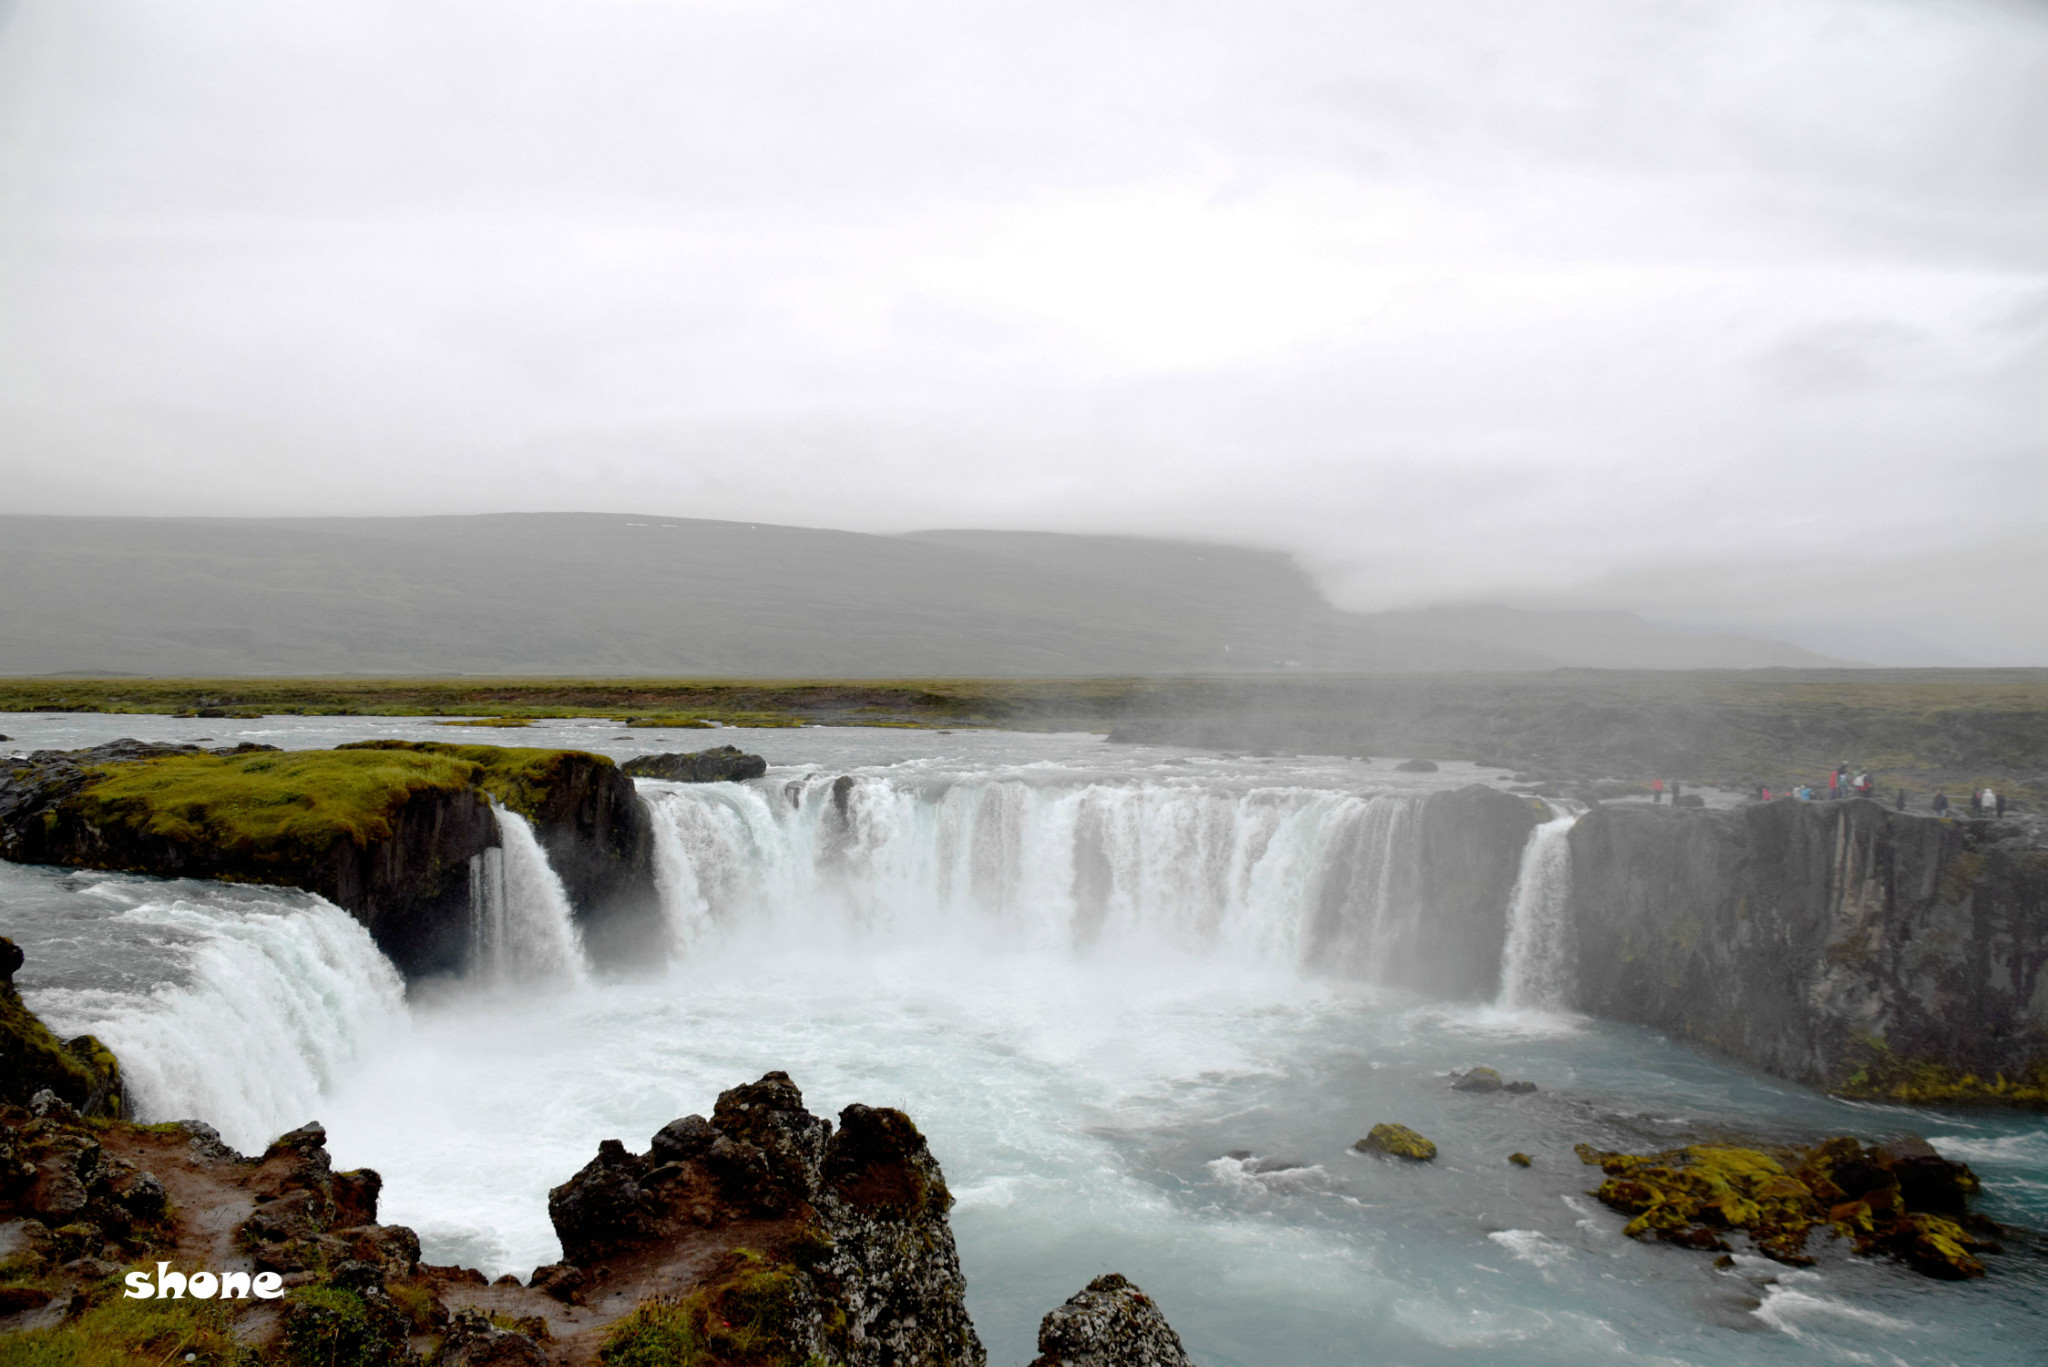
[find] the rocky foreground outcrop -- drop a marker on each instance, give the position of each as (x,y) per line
(388,830)
(763,1235)
(1863,950)
(1109,1323)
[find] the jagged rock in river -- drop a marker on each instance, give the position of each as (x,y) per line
(384,829)
(1111,1323)
(1901,1198)
(834,1243)
(1397,1141)
(719,764)
(1841,944)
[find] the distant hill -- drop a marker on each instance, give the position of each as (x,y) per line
(604,594)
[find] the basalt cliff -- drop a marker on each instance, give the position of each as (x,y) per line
(1866,951)
(391,831)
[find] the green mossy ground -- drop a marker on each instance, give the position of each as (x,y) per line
(1881,1075)
(746,1318)
(292,805)
(118,1332)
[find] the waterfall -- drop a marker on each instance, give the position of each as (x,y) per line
(522,928)
(264,1002)
(1298,877)
(1535,969)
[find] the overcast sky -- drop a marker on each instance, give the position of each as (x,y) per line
(1733,312)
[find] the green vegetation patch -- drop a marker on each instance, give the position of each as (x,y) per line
(1881,1075)
(287,806)
(519,777)
(84,1072)
(118,1332)
(756,1313)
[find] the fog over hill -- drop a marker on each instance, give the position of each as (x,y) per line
(604,594)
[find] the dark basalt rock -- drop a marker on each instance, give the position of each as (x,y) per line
(723,763)
(1481,1079)
(1109,1324)
(843,1233)
(1840,944)
(1417,766)
(1468,848)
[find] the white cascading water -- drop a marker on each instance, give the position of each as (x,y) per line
(520,919)
(277,999)
(1294,877)
(1535,968)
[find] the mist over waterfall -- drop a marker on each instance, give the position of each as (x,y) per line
(1536,963)
(1298,877)
(523,928)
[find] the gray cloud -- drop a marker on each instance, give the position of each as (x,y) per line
(1735,313)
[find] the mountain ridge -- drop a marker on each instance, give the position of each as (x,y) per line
(626,594)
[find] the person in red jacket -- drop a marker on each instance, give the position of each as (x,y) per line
(1656,791)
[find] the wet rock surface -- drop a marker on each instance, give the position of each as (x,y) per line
(1871,952)
(1110,1323)
(720,764)
(1397,1141)
(1901,1199)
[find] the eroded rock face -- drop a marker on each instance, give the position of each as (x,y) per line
(836,1238)
(1111,1323)
(1840,944)
(1457,863)
(721,763)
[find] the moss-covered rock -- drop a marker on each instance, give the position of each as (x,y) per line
(384,829)
(1397,1140)
(82,1072)
(1900,1198)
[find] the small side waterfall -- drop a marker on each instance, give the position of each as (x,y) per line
(1284,877)
(1535,969)
(520,919)
(269,1001)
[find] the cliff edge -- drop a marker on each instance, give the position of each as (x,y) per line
(1840,944)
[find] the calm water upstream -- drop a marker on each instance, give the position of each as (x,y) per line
(1098,979)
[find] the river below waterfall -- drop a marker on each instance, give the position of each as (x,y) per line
(1136,998)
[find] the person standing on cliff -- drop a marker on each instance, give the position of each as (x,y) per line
(1940,804)
(1902,799)
(1656,791)
(1835,784)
